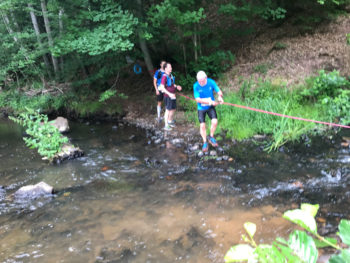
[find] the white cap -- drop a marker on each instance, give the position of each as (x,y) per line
(201,75)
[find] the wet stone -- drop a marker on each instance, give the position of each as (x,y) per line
(213,153)
(177,141)
(194,148)
(225,157)
(157,141)
(200,154)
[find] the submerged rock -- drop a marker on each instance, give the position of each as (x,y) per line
(61,124)
(34,191)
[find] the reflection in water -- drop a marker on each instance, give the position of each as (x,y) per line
(130,201)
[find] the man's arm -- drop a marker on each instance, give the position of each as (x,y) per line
(163,89)
(155,85)
(220,99)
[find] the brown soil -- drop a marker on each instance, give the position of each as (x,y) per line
(289,56)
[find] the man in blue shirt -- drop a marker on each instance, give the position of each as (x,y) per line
(156,82)
(203,91)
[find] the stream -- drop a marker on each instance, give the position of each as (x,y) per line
(129,199)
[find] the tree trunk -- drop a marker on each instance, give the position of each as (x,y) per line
(38,37)
(8,26)
(143,44)
(49,35)
(60,24)
(185,57)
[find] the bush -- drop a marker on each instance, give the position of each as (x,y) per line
(43,136)
(325,85)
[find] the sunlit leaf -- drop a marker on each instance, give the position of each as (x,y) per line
(303,246)
(250,228)
(301,218)
(241,252)
(311,209)
(344,231)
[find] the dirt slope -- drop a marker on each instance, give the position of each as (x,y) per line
(285,55)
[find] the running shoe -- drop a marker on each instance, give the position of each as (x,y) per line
(213,142)
(167,128)
(205,147)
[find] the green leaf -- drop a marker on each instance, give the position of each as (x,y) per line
(304,246)
(241,252)
(321,244)
(302,218)
(250,228)
(311,209)
(343,257)
(344,231)
(269,254)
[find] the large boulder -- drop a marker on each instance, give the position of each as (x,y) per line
(34,191)
(61,124)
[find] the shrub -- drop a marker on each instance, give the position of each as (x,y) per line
(42,135)
(325,85)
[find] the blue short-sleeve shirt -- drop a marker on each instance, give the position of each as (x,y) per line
(156,74)
(206,91)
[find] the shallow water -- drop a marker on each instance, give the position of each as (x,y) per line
(130,200)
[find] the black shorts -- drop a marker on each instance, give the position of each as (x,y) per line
(169,103)
(160,97)
(211,113)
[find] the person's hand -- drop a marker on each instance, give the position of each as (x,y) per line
(172,96)
(214,103)
(221,100)
(179,88)
(157,92)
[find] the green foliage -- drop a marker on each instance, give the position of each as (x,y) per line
(113,28)
(43,136)
(107,94)
(339,107)
(325,85)
(300,246)
(274,14)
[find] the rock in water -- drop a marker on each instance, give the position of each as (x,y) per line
(61,124)
(34,191)
(68,152)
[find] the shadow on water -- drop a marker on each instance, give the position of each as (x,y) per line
(129,200)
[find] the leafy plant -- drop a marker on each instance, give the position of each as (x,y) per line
(42,134)
(325,85)
(107,94)
(301,246)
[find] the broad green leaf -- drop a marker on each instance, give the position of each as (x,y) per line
(303,246)
(321,244)
(311,209)
(288,253)
(301,218)
(344,231)
(250,228)
(269,254)
(241,252)
(343,257)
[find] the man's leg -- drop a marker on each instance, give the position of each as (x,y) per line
(171,115)
(214,124)
(166,116)
(159,108)
(203,131)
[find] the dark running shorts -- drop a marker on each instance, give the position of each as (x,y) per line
(211,113)
(169,103)
(160,97)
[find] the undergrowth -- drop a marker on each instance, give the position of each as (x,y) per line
(323,98)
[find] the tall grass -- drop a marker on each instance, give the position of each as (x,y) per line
(241,124)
